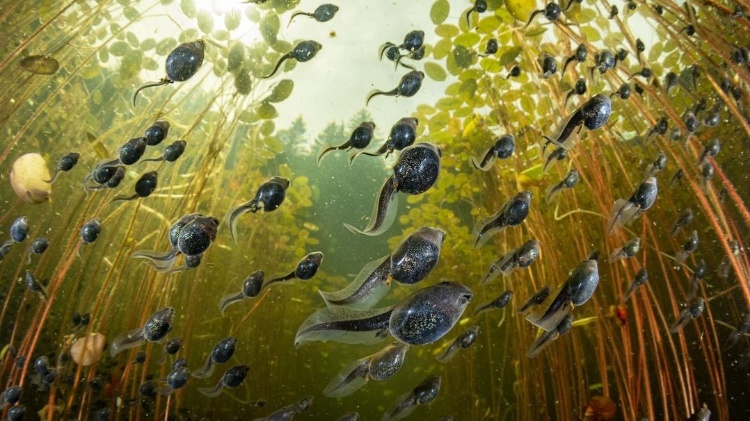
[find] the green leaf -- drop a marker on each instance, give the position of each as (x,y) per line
(232,20)
(490,65)
(426,109)
(468,89)
(189,35)
(274,144)
(148,44)
(488,25)
(539,30)
(281,91)
(119,48)
(585,16)
(463,56)
(205,22)
(150,64)
(439,11)
(655,52)
(243,83)
(130,13)
(236,56)
(671,60)
(447,30)
(267,127)
(467,40)
(188,8)
(435,71)
(508,54)
(591,34)
(269,28)
(266,111)
(132,39)
(448,103)
(442,48)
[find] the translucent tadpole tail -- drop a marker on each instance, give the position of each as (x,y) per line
(206,371)
(350,379)
(228,300)
(449,352)
(552,192)
(384,212)
(212,392)
(127,340)
(239,210)
(159,159)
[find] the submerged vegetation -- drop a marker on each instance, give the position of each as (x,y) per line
(607,276)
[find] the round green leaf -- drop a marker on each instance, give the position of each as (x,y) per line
(188,8)
(435,71)
(439,11)
(165,46)
(269,28)
(281,91)
(148,44)
(442,48)
(205,22)
(447,30)
(119,48)
(232,20)
(467,39)
(266,111)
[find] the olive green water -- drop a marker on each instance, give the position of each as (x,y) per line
(242,129)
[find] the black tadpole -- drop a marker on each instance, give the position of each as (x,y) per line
(408,86)
(182,63)
(66,163)
(302,52)
(359,139)
(551,12)
(143,187)
(480,6)
(323,13)
(171,153)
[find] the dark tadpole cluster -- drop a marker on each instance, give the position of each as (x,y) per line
(191,235)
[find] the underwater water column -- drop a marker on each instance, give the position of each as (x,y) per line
(677,77)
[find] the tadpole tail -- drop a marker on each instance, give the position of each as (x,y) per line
(54,177)
(162,82)
(212,392)
(332,148)
(228,300)
(565,66)
(205,371)
(468,18)
(384,47)
(377,92)
(284,58)
(239,210)
(483,309)
(155,256)
(531,18)
(380,151)
(294,16)
(567,97)
(123,198)
(279,279)
(384,211)
(159,159)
